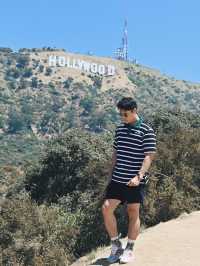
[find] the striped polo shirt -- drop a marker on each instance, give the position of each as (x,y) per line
(131,143)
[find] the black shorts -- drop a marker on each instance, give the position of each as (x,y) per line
(133,194)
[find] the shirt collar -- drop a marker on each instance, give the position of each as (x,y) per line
(136,125)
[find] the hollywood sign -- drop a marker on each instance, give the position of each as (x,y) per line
(62,61)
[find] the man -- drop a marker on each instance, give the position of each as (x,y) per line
(134,149)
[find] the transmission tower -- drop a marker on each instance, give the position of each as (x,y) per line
(122,52)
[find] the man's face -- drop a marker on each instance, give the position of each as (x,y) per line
(128,116)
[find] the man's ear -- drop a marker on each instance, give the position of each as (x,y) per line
(134,110)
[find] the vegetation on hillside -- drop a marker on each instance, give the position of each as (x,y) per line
(56,144)
(56,205)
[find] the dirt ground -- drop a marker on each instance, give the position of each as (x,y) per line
(172,243)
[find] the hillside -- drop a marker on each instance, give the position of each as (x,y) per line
(46,100)
(51,213)
(38,101)
(172,243)
(56,131)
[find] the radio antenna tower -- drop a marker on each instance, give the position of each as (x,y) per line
(122,52)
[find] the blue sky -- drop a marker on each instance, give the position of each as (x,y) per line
(162,34)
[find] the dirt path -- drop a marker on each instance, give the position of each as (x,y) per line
(172,243)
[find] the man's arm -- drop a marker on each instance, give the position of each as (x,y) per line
(149,157)
(113,162)
(135,181)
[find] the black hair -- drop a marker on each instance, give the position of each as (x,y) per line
(127,103)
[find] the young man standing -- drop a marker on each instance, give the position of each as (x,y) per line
(134,149)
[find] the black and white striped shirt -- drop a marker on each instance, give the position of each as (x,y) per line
(131,145)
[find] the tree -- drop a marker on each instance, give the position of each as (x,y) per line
(27,114)
(48,71)
(73,162)
(67,82)
(87,103)
(15,122)
(12,73)
(41,68)
(27,73)
(1,121)
(23,84)
(22,61)
(34,82)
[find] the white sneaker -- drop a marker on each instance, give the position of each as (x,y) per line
(116,252)
(127,256)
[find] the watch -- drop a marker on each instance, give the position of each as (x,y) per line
(139,174)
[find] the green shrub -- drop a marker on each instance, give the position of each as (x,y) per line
(67,83)
(15,122)
(68,164)
(22,60)
(36,235)
(87,103)
(27,72)
(12,73)
(34,82)
(48,71)
(41,68)
(1,121)
(71,176)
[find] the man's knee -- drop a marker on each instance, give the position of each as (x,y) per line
(133,211)
(106,207)
(109,207)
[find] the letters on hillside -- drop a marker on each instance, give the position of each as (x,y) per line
(62,61)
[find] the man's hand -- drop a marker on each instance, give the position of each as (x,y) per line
(135,181)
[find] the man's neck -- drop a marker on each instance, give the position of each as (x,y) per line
(135,121)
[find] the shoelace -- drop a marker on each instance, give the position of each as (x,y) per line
(115,247)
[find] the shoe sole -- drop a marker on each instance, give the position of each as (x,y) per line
(117,259)
(124,262)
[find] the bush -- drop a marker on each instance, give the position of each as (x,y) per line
(46,120)
(67,166)
(27,73)
(97,81)
(12,73)
(27,111)
(72,173)
(41,68)
(23,84)
(12,85)
(35,235)
(34,82)
(15,122)
(87,103)
(48,71)
(1,121)
(22,61)
(174,186)
(67,83)
(5,50)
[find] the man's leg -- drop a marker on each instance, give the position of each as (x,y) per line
(133,231)
(111,226)
(110,222)
(134,220)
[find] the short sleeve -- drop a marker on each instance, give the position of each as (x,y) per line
(149,141)
(115,140)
